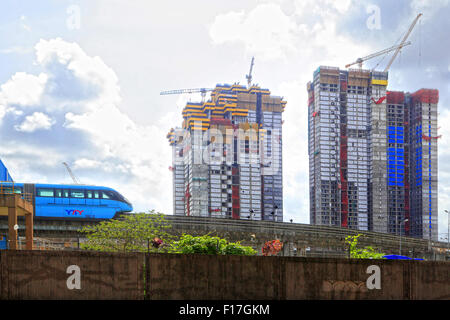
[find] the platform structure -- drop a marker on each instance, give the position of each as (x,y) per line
(14,205)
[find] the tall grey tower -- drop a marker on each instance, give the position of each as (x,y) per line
(227,156)
(367,165)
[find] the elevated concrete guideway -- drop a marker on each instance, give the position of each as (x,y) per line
(304,239)
(14,205)
(299,239)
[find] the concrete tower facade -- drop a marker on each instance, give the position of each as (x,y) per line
(227,156)
(366,169)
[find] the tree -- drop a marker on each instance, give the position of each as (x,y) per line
(211,245)
(142,232)
(365,253)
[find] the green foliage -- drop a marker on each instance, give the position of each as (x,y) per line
(365,253)
(237,249)
(134,232)
(211,245)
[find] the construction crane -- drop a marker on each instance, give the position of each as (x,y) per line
(397,48)
(203,91)
(249,75)
(360,61)
(403,41)
(75,180)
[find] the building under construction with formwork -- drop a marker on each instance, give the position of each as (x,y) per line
(372,154)
(227,156)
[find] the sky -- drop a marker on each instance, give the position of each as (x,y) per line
(80,80)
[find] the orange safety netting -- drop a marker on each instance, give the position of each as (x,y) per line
(427,138)
(426,95)
(395,97)
(380,100)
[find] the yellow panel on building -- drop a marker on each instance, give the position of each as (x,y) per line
(379,82)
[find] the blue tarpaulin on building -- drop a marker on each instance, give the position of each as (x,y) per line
(4,174)
(3,243)
(397,257)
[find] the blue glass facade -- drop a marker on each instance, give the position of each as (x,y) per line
(396,157)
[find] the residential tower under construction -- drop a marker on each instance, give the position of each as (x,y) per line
(227,155)
(372,154)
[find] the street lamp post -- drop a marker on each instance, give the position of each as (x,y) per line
(400,249)
(448,230)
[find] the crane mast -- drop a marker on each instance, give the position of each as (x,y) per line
(379,53)
(397,48)
(249,75)
(403,41)
(75,180)
(203,91)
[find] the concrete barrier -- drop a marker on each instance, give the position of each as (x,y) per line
(202,277)
(91,275)
(70,275)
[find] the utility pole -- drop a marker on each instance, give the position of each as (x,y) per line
(448,232)
(400,249)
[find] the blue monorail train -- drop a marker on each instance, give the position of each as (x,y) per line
(59,201)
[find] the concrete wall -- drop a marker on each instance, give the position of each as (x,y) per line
(44,275)
(237,277)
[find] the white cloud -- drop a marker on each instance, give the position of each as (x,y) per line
(76,100)
(16,50)
(23,23)
(288,31)
(428,8)
(265,31)
(87,163)
(37,121)
(76,82)
(23,89)
(2,112)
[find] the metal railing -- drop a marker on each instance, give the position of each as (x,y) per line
(46,244)
(9,188)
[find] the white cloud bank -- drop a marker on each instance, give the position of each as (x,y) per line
(70,113)
(37,121)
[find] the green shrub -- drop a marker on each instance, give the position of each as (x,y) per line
(211,245)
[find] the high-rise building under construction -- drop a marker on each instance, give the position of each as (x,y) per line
(372,154)
(227,156)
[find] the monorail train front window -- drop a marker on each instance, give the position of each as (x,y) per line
(120,197)
(41,192)
(111,195)
(106,195)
